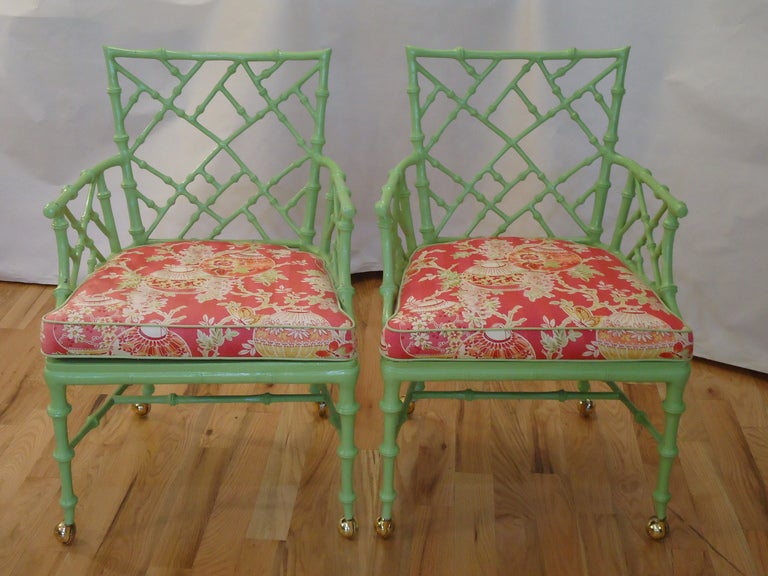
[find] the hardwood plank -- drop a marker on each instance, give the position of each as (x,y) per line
(27,443)
(602,549)
(226,528)
(274,505)
(27,305)
(720,528)
(738,469)
(474,534)
(556,525)
(267,557)
(518,548)
(473,437)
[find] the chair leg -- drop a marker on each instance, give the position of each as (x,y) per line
(63,453)
(674,407)
(347,407)
(393,412)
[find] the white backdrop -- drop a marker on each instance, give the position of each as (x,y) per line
(695,112)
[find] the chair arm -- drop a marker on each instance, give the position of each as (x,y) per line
(398,241)
(341,190)
(83,221)
(675,206)
(336,238)
(645,228)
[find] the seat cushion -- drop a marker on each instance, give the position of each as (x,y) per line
(204,299)
(523,298)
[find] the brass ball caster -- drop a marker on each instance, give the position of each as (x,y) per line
(141,410)
(65,533)
(348,528)
(322,410)
(411,406)
(657,528)
(586,408)
(384,528)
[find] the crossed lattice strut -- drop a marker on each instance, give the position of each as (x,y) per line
(221,144)
(550,186)
(644,252)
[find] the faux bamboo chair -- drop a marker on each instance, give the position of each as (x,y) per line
(230,264)
(516,258)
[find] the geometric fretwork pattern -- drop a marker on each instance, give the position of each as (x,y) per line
(518,104)
(206,180)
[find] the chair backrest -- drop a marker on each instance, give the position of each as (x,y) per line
(219,145)
(503,138)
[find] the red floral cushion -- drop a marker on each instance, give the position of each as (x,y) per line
(204,299)
(529,298)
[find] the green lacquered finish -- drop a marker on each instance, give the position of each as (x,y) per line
(636,221)
(244,92)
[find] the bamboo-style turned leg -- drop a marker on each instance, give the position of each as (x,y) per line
(347,407)
(63,453)
(657,527)
(392,408)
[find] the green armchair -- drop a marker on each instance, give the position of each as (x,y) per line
(224,259)
(509,253)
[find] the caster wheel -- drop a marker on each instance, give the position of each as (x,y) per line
(142,410)
(411,406)
(656,528)
(65,533)
(384,528)
(348,528)
(586,408)
(322,410)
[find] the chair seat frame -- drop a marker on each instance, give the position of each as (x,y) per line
(60,374)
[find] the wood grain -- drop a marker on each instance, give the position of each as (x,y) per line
(484,487)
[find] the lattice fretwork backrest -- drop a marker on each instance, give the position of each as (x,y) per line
(219,145)
(513,137)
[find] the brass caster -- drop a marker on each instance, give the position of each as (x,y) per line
(322,410)
(142,410)
(348,528)
(411,406)
(65,533)
(586,408)
(384,528)
(656,528)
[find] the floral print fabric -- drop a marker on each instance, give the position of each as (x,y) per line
(204,299)
(524,298)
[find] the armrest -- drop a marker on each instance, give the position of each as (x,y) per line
(646,223)
(398,241)
(341,190)
(336,239)
(83,223)
(675,206)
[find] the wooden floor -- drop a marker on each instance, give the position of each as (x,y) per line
(485,487)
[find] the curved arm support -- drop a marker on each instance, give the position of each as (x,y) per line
(336,238)
(642,174)
(646,223)
(398,240)
(83,222)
